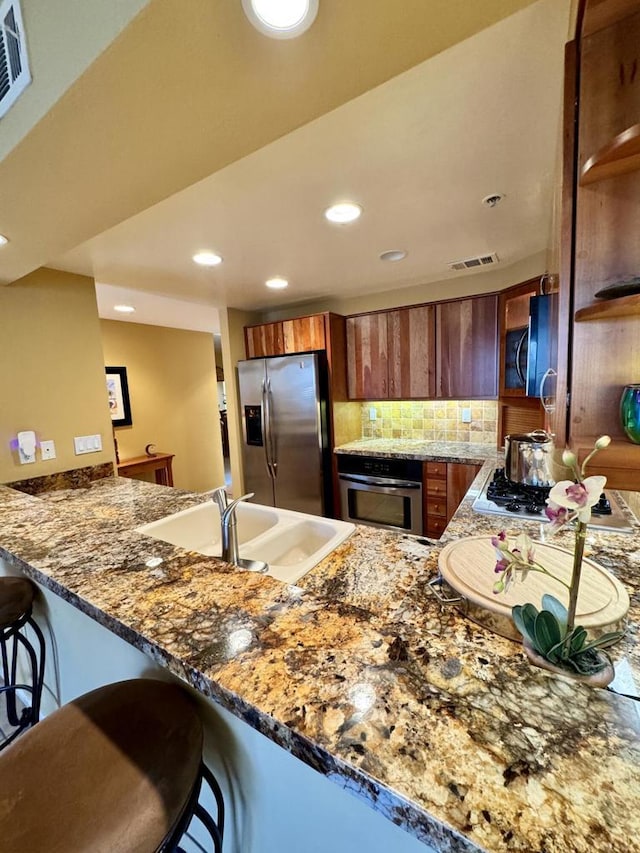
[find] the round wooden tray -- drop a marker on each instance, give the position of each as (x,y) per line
(467,566)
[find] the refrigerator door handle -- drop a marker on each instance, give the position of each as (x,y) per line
(272,452)
(264,415)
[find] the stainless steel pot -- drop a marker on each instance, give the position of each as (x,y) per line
(529,458)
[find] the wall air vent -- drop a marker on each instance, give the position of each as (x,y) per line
(14,65)
(473,263)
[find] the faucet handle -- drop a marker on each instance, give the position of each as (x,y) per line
(220,497)
(227,515)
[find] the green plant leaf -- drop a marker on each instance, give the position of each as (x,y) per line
(524,620)
(528,615)
(547,631)
(554,654)
(560,652)
(578,639)
(551,603)
(604,641)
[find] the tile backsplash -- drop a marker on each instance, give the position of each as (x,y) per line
(431,420)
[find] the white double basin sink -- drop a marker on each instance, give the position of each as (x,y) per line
(291,543)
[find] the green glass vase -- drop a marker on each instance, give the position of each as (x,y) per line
(630,412)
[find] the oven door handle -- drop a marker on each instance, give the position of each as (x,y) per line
(380,481)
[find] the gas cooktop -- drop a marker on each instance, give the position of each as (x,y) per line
(500,496)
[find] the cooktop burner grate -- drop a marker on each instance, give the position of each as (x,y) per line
(501,496)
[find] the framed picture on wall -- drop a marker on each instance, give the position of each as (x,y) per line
(118,393)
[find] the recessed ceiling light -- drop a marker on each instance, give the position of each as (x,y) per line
(345,211)
(277,283)
(207,259)
(3,240)
(124,309)
(281,19)
(394,255)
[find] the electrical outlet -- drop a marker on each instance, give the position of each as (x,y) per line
(47,450)
(466,416)
(372,414)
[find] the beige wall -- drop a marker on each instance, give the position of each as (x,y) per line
(51,371)
(63,39)
(232,323)
(172,388)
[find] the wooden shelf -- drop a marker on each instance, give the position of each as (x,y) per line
(623,306)
(619,463)
(619,157)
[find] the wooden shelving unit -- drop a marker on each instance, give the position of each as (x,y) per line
(619,463)
(618,157)
(623,306)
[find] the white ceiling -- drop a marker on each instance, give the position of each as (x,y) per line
(418,152)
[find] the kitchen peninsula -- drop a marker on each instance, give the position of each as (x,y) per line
(439,725)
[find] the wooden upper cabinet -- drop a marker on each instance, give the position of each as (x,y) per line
(266,339)
(304,334)
(412,352)
(367,357)
(467,348)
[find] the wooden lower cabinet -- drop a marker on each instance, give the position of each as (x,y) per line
(444,485)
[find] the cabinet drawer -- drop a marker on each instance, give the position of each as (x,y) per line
(437,506)
(437,469)
(436,487)
(435,526)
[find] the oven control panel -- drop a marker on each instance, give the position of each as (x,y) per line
(376,466)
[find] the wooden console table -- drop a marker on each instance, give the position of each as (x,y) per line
(160,464)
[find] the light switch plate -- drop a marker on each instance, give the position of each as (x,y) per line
(466,416)
(87,444)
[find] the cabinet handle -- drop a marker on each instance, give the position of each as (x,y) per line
(548,403)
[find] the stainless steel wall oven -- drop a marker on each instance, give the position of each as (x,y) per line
(381,492)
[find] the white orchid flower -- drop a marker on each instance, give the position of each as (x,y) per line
(578,498)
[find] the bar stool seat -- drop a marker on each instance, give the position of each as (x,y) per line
(117,770)
(16,603)
(16,599)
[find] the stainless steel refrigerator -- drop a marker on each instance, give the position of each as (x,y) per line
(286,452)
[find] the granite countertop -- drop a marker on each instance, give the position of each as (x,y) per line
(438,724)
(410,448)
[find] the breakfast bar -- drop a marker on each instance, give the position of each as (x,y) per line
(358,671)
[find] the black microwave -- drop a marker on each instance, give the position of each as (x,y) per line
(531,350)
(542,348)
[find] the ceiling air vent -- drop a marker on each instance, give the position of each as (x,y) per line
(473,263)
(14,66)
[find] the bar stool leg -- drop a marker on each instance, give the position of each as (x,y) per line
(11,640)
(215,828)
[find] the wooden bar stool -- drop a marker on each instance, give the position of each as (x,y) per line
(16,604)
(118,770)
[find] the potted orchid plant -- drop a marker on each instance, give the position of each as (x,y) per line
(551,639)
